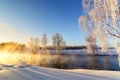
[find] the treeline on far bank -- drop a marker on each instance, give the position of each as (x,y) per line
(18,46)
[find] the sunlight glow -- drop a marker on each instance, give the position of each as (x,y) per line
(16,58)
(10,33)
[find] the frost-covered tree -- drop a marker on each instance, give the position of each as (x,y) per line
(58,43)
(101,19)
(44,41)
(33,44)
(91,44)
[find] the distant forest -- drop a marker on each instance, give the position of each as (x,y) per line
(14,46)
(18,46)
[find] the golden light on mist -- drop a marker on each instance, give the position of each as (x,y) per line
(16,58)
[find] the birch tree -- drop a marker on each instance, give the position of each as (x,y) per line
(44,41)
(33,44)
(58,43)
(101,19)
(91,44)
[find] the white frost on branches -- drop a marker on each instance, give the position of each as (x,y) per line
(101,19)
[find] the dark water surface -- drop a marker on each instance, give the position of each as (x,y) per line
(94,62)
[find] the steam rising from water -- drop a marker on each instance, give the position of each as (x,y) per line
(22,58)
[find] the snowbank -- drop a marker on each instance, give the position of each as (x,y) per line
(12,72)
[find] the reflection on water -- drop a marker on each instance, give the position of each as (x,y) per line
(96,62)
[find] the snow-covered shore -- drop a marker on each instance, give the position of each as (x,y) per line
(12,72)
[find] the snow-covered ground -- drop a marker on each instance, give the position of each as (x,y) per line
(12,72)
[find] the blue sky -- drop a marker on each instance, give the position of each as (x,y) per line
(26,18)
